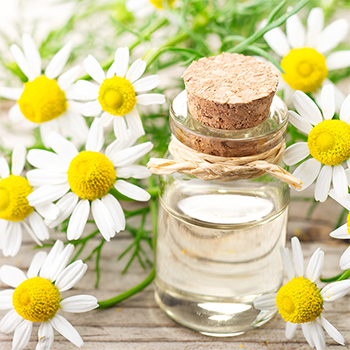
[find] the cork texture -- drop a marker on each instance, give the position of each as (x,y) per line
(230,91)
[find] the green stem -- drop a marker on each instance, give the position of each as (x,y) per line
(117,299)
(342,276)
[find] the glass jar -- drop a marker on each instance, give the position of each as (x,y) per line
(218,244)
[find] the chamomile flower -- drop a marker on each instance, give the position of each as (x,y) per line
(16,214)
(115,95)
(82,181)
(328,143)
(45,101)
(305,53)
(343,232)
(36,297)
(144,8)
(300,301)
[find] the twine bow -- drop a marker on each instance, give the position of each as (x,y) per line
(208,167)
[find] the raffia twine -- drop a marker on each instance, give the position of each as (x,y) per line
(208,167)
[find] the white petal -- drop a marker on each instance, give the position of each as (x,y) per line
(55,66)
(39,177)
(120,128)
(12,239)
(339,181)
(6,299)
(338,60)
(147,83)
(341,232)
(335,290)
(295,153)
(278,42)
(299,122)
(295,32)
(22,335)
(48,211)
(307,172)
(70,276)
(136,70)
(47,128)
(78,126)
(345,201)
(287,262)
(95,138)
(46,336)
(135,124)
(332,331)
(11,93)
(54,253)
(4,168)
(149,99)
(36,264)
(66,206)
(291,329)
(10,322)
(29,230)
(94,69)
(65,80)
(323,183)
(298,257)
(63,148)
(78,220)
(115,147)
(67,330)
(306,107)
(130,155)
(38,226)
(103,219)
(83,90)
(135,171)
(32,54)
(22,62)
(15,115)
(317,335)
(121,61)
(315,266)
(18,159)
(47,160)
(92,109)
(47,193)
(306,327)
(332,35)
(115,210)
(107,119)
(266,302)
(345,110)
(315,23)
(12,276)
(79,303)
(344,261)
(132,191)
(328,101)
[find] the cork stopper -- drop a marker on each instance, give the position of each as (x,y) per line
(230,91)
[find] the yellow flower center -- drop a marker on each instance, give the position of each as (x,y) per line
(36,299)
(305,69)
(117,96)
(348,224)
(329,142)
(159,3)
(91,175)
(299,301)
(42,100)
(14,205)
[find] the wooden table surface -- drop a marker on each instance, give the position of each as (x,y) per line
(138,324)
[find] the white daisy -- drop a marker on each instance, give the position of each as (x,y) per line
(328,143)
(44,100)
(145,8)
(303,52)
(37,298)
(16,214)
(115,95)
(343,232)
(301,302)
(87,176)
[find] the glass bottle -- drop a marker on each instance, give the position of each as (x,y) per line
(218,244)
